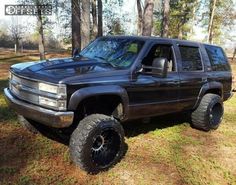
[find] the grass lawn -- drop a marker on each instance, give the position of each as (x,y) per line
(164,151)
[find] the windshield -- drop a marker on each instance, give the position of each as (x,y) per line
(118,52)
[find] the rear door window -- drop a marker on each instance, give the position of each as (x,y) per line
(217,58)
(191,58)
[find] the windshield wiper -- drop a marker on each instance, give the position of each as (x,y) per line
(105,61)
(110,64)
(99,57)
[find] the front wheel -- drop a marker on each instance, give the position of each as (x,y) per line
(209,113)
(97,143)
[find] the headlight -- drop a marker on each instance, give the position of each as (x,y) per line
(54,89)
(48,88)
(58,104)
(57,97)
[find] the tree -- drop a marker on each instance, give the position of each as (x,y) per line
(148,18)
(40,31)
(5,38)
(85,23)
(140,17)
(234,54)
(16,31)
(94,18)
(41,21)
(165,18)
(182,15)
(210,25)
(75,24)
(100,18)
(113,17)
(180,18)
(217,18)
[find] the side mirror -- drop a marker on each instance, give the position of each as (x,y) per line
(160,67)
(75,52)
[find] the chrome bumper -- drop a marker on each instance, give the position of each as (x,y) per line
(45,116)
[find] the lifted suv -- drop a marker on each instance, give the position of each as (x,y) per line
(115,79)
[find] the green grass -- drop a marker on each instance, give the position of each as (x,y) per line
(165,151)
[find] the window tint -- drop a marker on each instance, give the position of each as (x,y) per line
(191,60)
(217,58)
(119,52)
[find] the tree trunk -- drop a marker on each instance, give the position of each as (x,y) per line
(41,34)
(76,37)
(41,37)
(140,17)
(17,46)
(148,18)
(165,19)
(85,23)
(180,34)
(234,54)
(194,15)
(94,17)
(210,25)
(100,19)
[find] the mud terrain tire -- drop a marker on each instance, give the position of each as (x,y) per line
(97,143)
(209,113)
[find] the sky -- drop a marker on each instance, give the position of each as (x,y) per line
(129,7)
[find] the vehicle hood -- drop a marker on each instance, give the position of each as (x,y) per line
(63,70)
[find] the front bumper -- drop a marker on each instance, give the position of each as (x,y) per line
(45,116)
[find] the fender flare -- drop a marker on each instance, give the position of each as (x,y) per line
(86,92)
(206,87)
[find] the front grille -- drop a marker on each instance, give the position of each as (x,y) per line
(24,89)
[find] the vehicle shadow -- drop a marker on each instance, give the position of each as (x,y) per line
(132,128)
(136,127)
(52,133)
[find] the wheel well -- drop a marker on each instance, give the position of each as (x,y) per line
(214,91)
(102,104)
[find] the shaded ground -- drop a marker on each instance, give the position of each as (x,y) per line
(165,151)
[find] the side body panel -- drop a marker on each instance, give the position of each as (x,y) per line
(190,81)
(151,96)
(222,77)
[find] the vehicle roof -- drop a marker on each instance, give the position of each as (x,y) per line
(144,38)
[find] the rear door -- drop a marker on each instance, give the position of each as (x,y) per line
(191,73)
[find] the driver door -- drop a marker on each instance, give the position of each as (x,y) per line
(151,95)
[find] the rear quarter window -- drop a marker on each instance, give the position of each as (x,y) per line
(217,58)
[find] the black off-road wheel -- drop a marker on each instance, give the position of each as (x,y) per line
(97,143)
(209,113)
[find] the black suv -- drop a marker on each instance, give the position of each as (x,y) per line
(115,79)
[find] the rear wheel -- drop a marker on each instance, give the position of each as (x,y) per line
(209,113)
(97,143)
